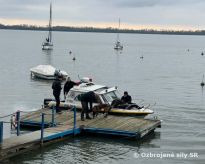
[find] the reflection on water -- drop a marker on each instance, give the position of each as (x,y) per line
(48,56)
(118,52)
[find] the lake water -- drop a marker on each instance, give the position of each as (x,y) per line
(169,74)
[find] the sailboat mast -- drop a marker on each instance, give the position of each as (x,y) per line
(50,24)
(118,30)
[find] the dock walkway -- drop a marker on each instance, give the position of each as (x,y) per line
(66,126)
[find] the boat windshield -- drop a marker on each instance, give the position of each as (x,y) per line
(110,96)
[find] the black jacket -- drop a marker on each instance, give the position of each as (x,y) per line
(88,97)
(68,85)
(126,99)
(56,86)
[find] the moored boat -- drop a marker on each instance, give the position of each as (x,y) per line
(47,44)
(118,45)
(104,95)
(46,72)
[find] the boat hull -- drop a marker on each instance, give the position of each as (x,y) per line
(114,111)
(125,112)
(47,47)
(41,76)
(118,48)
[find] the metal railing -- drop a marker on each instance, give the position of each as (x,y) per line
(16,122)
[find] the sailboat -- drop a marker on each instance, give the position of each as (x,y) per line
(47,44)
(118,45)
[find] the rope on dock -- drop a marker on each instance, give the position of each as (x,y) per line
(7,115)
(12,114)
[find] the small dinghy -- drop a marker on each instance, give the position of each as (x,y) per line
(46,72)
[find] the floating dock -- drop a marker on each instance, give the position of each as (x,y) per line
(58,126)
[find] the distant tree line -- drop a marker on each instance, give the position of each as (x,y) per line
(102,30)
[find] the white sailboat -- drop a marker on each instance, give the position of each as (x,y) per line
(118,45)
(47,44)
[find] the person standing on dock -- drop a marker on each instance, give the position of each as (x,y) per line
(126,98)
(56,86)
(68,85)
(87,98)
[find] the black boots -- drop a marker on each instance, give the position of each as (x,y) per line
(87,116)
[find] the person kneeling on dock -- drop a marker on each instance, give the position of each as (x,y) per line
(56,86)
(87,98)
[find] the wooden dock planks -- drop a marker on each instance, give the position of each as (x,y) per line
(111,125)
(118,123)
(17,144)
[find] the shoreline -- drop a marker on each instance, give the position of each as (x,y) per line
(100,30)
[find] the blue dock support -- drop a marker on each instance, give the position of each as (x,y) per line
(74,122)
(1,132)
(42,127)
(18,122)
(53,116)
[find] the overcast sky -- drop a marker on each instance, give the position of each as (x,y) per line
(157,14)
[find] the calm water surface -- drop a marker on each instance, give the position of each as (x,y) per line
(169,75)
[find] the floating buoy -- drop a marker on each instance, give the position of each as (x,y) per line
(202,54)
(202,83)
(70,52)
(141,57)
(74,58)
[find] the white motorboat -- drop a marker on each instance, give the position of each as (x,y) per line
(46,72)
(104,95)
(47,44)
(118,45)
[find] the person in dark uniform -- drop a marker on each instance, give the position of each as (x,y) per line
(87,98)
(68,85)
(126,98)
(56,86)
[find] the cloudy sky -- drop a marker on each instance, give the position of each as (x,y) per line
(135,14)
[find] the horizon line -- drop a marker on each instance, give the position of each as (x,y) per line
(105,28)
(102,25)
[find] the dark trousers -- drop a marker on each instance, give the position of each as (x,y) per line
(84,109)
(57,98)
